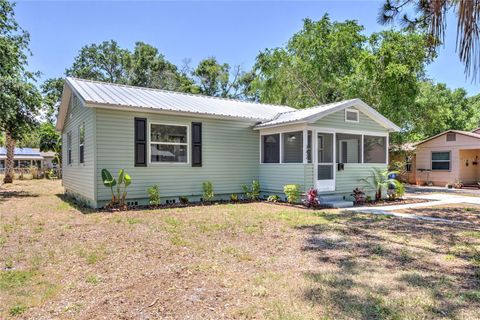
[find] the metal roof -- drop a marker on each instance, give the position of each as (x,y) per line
(315,113)
(97,94)
(21,152)
(114,95)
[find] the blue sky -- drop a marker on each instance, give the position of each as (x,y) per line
(234,32)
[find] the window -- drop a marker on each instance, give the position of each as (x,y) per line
(451,137)
(168,143)
(22,164)
(349,148)
(271,148)
(2,164)
(69,148)
(351,115)
(374,149)
(81,144)
(441,161)
(292,147)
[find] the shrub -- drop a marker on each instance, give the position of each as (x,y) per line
(359,196)
(183,199)
(311,199)
(292,191)
(154,195)
(207,191)
(252,193)
(273,198)
(234,197)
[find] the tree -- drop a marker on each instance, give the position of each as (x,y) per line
(441,109)
(220,80)
(330,61)
(51,140)
(431,16)
(19,98)
(103,62)
(388,75)
(312,67)
(150,69)
(52,92)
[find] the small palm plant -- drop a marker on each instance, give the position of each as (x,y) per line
(380,180)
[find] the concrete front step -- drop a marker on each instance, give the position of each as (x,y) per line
(331,198)
(337,204)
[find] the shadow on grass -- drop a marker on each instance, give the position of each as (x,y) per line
(6,195)
(367,262)
(73,203)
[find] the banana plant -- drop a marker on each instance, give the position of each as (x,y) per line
(109,182)
(122,183)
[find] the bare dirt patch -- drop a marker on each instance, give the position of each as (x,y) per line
(227,261)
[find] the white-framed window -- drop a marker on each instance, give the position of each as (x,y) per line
(270,145)
(69,147)
(352,115)
(81,143)
(441,160)
(374,149)
(168,143)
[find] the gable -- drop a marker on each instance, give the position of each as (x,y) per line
(337,120)
(441,141)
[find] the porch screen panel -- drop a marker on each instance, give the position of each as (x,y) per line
(374,149)
(271,148)
(293,147)
(349,148)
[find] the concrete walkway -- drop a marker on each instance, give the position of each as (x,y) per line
(435,199)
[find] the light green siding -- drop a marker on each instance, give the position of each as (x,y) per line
(337,121)
(274,176)
(78,178)
(230,156)
(349,179)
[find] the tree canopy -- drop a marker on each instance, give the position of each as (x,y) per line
(330,61)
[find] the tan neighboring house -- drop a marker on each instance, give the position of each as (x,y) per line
(447,158)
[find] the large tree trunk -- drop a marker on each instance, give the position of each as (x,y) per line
(10,144)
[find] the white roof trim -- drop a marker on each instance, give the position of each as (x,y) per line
(326,110)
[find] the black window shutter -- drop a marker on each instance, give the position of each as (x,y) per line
(140,142)
(196,144)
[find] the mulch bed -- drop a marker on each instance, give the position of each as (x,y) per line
(382,203)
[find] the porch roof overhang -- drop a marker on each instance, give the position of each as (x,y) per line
(314,114)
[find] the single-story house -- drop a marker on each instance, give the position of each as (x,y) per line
(178,140)
(27,157)
(446,158)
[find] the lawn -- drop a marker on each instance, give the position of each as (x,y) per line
(228,261)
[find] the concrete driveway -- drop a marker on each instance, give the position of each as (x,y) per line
(435,199)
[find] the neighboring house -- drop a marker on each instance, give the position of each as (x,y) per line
(177,141)
(447,158)
(26,158)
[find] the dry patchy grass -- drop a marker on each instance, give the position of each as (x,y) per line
(228,261)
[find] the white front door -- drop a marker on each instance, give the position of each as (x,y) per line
(325,160)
